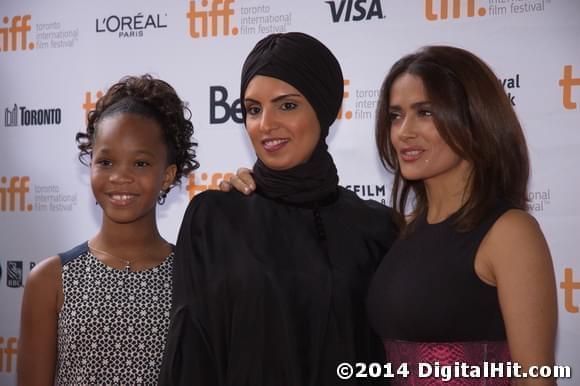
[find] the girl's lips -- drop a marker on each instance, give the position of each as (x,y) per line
(121,199)
(411,155)
(274,144)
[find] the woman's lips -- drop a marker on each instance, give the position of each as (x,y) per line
(274,144)
(411,154)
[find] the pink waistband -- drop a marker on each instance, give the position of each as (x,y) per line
(429,363)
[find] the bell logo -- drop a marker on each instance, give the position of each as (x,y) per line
(348,114)
(355,10)
(8,353)
(220,9)
(89,104)
(567,82)
(19,26)
(194,186)
(218,98)
(569,285)
(18,188)
(456,9)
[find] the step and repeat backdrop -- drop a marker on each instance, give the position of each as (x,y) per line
(58,57)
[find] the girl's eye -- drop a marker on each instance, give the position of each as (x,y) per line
(252,110)
(425,113)
(104,162)
(289,106)
(141,164)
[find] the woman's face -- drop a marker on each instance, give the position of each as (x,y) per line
(422,153)
(282,125)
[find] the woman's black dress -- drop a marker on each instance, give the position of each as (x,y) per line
(268,293)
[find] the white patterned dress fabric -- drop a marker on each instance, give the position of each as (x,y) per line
(113,324)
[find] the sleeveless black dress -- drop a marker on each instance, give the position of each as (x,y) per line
(428,304)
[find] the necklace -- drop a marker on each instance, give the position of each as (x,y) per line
(127,262)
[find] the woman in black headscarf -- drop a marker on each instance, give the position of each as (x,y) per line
(269,289)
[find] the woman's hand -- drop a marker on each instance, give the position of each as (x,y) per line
(242,182)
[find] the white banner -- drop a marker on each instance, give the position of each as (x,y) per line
(57,58)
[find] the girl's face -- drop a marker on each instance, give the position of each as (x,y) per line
(129,167)
(282,125)
(422,153)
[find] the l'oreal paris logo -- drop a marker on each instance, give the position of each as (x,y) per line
(130,26)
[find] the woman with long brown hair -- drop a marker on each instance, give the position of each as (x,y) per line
(470,279)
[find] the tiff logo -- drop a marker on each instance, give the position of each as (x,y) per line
(345,95)
(456,9)
(9,35)
(11,116)
(220,10)
(567,82)
(355,10)
(194,187)
(18,189)
(8,353)
(90,104)
(569,285)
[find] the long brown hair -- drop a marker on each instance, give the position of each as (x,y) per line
(474,116)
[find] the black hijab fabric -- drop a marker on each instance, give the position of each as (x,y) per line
(303,62)
(309,184)
(308,65)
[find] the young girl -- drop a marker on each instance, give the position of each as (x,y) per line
(99,313)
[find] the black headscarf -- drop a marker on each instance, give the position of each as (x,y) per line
(308,65)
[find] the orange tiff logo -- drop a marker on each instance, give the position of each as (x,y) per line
(345,95)
(90,103)
(8,353)
(456,9)
(18,27)
(206,181)
(569,285)
(17,190)
(200,20)
(567,82)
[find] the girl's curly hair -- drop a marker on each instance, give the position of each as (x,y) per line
(154,99)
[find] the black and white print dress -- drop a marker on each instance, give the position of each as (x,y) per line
(113,323)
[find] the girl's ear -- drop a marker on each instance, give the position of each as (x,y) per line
(169,176)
